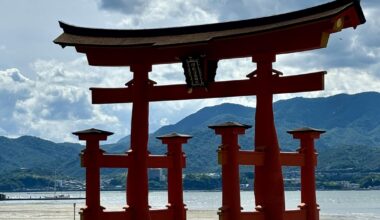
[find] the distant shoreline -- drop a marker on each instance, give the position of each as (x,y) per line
(337,205)
(163,190)
(41,199)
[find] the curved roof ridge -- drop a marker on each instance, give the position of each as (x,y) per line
(228,25)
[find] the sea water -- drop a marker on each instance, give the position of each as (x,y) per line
(347,205)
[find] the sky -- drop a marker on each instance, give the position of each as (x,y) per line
(44,89)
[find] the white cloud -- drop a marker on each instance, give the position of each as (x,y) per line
(167,74)
(164,121)
(57,102)
(157,13)
(150,13)
(51,99)
(346,80)
(3,132)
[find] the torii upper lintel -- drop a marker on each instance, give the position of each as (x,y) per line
(286,33)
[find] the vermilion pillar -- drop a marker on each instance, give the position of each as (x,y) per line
(268,186)
(229,158)
(91,160)
(308,187)
(177,160)
(137,180)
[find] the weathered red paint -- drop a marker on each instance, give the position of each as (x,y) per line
(262,39)
(231,206)
(269,186)
(308,187)
(175,187)
(230,157)
(91,156)
(286,84)
(137,180)
(94,158)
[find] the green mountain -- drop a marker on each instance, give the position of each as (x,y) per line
(351,143)
(352,123)
(348,119)
(32,153)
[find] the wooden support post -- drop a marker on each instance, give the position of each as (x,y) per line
(231,207)
(175,186)
(137,180)
(269,185)
(308,187)
(91,156)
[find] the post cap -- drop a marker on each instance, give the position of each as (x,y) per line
(174,135)
(230,124)
(306,130)
(92,131)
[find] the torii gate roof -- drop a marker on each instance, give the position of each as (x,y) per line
(285,33)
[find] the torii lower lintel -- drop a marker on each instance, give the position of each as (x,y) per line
(288,84)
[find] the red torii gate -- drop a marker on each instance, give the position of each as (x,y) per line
(199,48)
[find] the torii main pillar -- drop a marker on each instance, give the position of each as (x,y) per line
(268,186)
(137,180)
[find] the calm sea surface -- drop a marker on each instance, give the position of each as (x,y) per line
(352,204)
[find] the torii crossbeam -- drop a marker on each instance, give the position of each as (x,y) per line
(249,87)
(199,48)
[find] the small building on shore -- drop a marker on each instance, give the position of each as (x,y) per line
(3,196)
